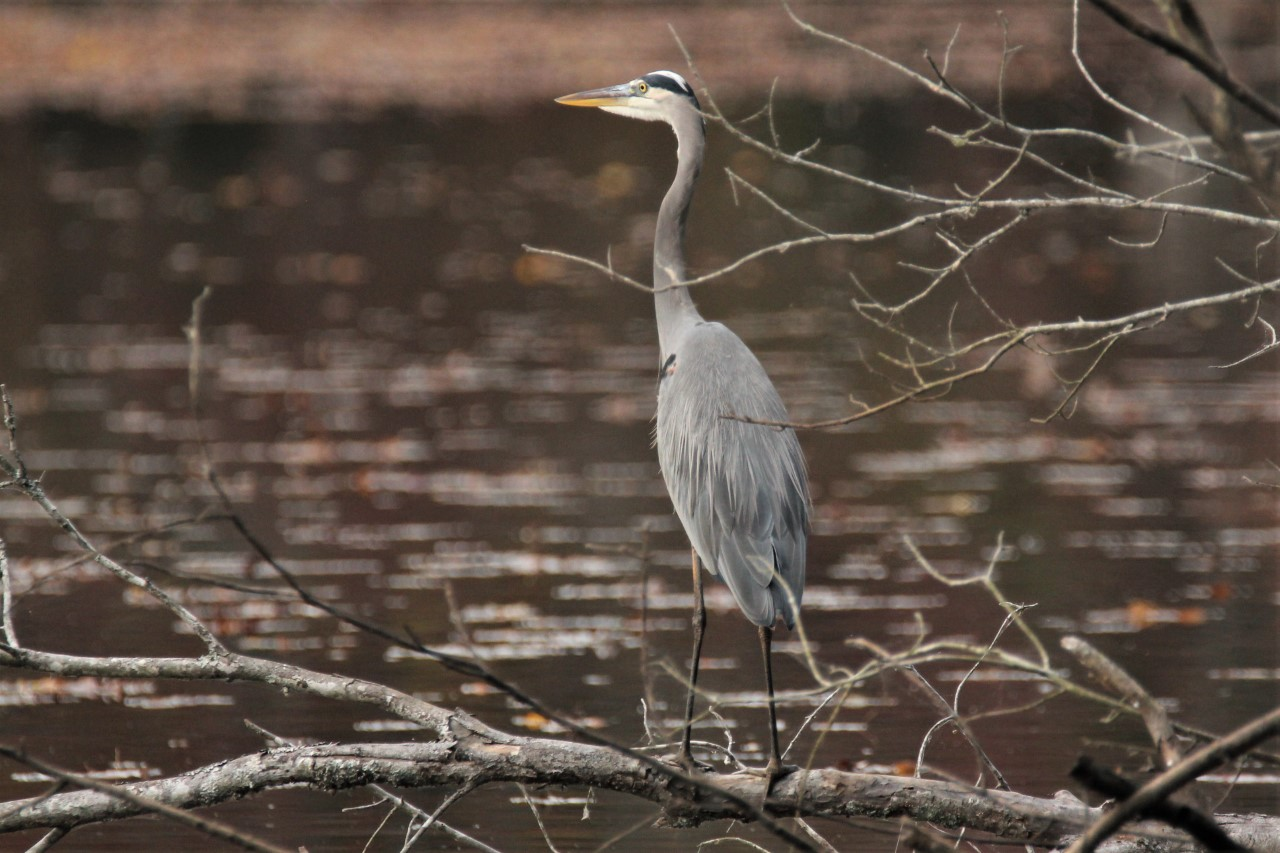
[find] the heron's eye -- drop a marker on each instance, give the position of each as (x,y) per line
(642,87)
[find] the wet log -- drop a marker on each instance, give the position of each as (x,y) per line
(475,755)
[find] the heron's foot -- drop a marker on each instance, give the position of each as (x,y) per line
(689,764)
(772,772)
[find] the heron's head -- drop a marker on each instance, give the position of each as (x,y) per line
(657,96)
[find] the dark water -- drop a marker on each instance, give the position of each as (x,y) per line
(404,404)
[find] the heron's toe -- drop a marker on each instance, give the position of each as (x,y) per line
(689,764)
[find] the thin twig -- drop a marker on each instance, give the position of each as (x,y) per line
(6,600)
(1266,347)
(524,792)
(433,819)
(48,840)
(1005,341)
(1102,93)
(33,489)
(1209,67)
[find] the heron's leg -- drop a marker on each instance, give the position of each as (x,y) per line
(774,767)
(699,625)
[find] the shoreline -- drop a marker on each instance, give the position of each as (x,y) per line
(300,60)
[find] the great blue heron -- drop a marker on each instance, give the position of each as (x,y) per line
(740,489)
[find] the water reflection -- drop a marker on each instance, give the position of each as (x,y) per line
(404,405)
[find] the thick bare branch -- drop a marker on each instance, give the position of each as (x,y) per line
(472,759)
(1201,761)
(146,805)
(234,667)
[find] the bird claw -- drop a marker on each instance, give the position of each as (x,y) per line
(689,764)
(772,772)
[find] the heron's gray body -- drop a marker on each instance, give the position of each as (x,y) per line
(739,489)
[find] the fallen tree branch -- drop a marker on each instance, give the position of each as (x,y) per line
(470,758)
(1113,676)
(1194,822)
(147,805)
(233,667)
(1163,785)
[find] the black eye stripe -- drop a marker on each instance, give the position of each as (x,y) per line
(662,81)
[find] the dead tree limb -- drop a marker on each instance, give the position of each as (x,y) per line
(476,757)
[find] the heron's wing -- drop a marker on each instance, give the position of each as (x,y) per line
(739,489)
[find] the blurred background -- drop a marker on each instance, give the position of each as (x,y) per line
(410,409)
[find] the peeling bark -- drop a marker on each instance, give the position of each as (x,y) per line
(473,759)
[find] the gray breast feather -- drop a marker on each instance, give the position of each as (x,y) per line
(740,490)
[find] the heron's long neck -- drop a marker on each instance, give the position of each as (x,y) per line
(673,305)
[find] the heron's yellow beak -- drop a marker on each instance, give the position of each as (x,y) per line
(609,96)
